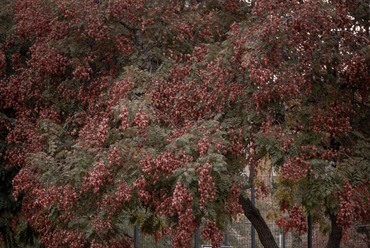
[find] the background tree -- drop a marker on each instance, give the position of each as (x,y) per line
(308,64)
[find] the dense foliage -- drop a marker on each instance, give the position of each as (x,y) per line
(148,112)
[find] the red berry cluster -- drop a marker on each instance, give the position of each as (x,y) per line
(351,205)
(211,232)
(182,207)
(95,179)
(295,221)
(232,203)
(161,167)
(206,185)
(141,119)
(295,169)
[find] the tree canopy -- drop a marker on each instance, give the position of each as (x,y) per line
(148,112)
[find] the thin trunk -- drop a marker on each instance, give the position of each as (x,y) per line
(254,216)
(335,235)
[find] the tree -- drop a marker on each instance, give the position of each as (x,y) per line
(308,62)
(153,109)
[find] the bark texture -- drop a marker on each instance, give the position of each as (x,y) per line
(254,216)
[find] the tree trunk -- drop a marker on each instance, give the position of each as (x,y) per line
(254,216)
(335,234)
